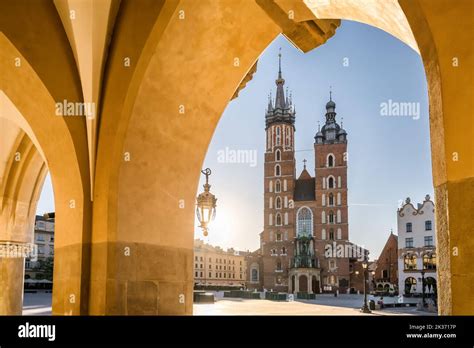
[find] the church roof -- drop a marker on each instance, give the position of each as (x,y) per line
(304,175)
(305,189)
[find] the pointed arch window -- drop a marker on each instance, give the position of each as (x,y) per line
(277,186)
(330,160)
(331,182)
(304,222)
(278,219)
(254,274)
(331,234)
(331,199)
(278,202)
(277,170)
(278,136)
(277,155)
(331,217)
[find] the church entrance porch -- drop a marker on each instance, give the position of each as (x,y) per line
(304,280)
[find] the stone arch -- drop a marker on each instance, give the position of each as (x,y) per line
(60,147)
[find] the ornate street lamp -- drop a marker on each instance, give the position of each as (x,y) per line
(206,204)
(365,265)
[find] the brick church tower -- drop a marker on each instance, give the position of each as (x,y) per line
(331,222)
(279,175)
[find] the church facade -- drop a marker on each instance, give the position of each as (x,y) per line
(304,245)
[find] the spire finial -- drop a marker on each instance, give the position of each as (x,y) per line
(319,127)
(279,64)
(330,93)
(304,163)
(342,121)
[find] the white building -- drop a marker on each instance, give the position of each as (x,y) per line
(44,240)
(416,247)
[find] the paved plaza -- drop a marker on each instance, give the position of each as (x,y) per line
(323,305)
(40,304)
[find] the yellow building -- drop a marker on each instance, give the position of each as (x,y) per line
(215,267)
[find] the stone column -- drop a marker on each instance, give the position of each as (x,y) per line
(297,283)
(11,285)
(15,238)
(310,281)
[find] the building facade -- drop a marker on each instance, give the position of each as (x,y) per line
(385,279)
(304,246)
(216,268)
(417,248)
(44,240)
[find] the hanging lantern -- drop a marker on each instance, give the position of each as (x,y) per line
(206,205)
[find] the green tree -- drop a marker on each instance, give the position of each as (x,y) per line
(44,269)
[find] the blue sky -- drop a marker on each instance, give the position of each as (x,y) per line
(389,157)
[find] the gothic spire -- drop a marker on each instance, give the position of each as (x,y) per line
(270,106)
(280,102)
(279,64)
(281,107)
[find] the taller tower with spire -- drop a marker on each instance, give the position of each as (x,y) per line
(279,175)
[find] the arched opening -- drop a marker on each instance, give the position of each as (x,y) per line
(430,285)
(410,286)
(39,269)
(335,179)
(315,285)
(303,283)
(31,152)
